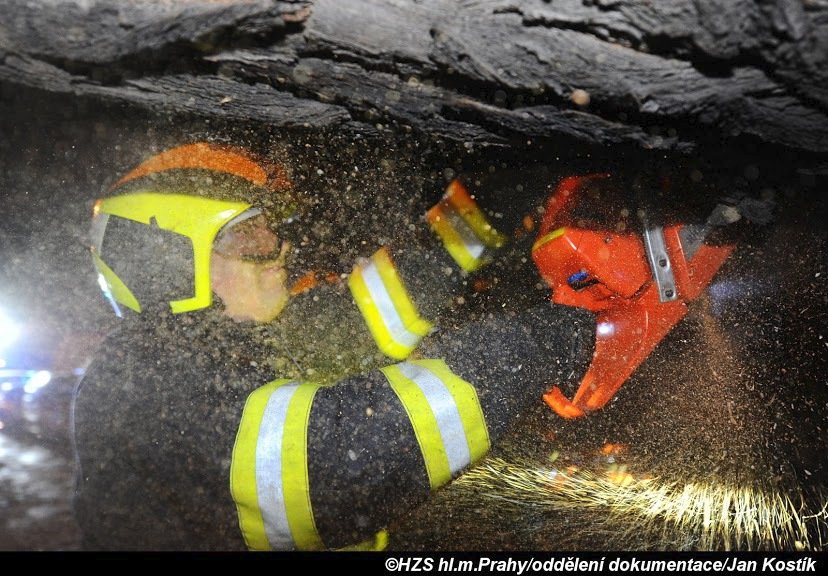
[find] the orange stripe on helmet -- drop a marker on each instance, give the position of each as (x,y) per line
(211,157)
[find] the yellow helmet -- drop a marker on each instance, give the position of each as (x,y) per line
(152,239)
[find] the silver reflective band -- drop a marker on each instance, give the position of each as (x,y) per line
(445,412)
(269,486)
(385,306)
(472,243)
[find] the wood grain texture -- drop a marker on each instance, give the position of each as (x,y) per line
(659,75)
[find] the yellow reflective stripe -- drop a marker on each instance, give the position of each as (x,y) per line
(269,471)
(115,285)
(399,295)
(548,237)
(295,470)
(463,227)
(388,310)
(425,426)
(373,319)
(452,241)
(269,481)
(469,211)
(376,544)
(468,405)
(243,486)
(445,413)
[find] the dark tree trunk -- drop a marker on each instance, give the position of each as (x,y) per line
(663,75)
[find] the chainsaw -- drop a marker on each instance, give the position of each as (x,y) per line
(637,279)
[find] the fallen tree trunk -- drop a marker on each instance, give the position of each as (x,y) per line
(664,75)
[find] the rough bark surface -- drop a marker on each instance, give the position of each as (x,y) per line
(662,75)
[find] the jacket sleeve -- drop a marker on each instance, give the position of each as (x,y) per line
(401,290)
(325,467)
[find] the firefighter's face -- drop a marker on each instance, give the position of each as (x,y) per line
(248,271)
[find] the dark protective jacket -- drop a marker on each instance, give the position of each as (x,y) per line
(189,427)
(181,409)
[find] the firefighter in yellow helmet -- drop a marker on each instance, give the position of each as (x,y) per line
(162,220)
(160,241)
(189,436)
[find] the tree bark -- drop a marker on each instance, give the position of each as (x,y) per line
(660,75)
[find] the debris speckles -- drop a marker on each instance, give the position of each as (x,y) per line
(580,97)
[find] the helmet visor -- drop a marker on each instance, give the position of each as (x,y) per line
(159,245)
